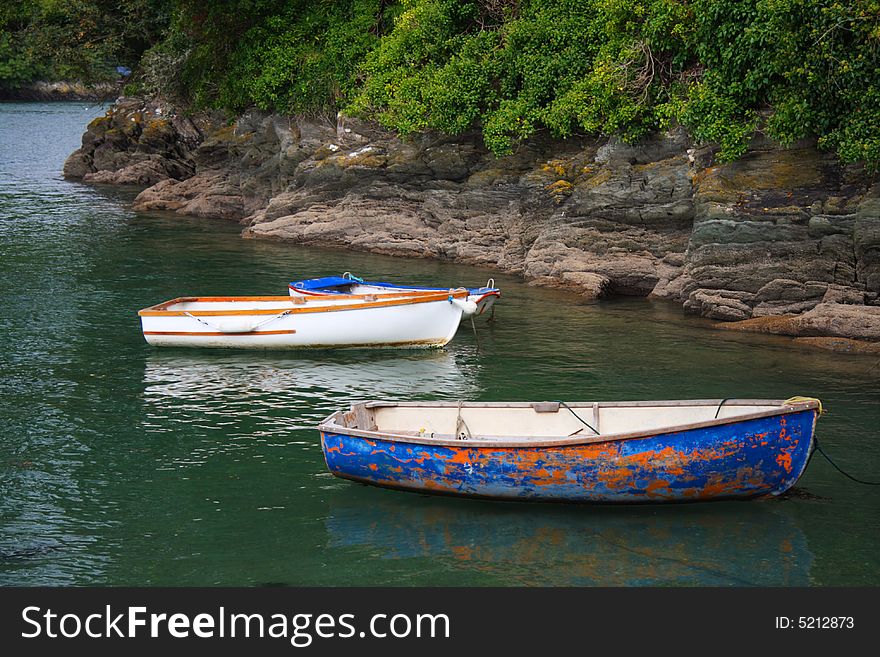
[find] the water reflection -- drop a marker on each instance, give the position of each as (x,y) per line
(352,374)
(280,393)
(740,544)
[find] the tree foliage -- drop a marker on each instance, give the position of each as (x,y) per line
(76,39)
(724,69)
(286,55)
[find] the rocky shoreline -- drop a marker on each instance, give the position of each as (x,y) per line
(784,240)
(62,90)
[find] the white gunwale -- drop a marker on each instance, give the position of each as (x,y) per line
(330,424)
(408,293)
(349,302)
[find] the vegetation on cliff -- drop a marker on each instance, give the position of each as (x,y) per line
(723,68)
(82,40)
(512,68)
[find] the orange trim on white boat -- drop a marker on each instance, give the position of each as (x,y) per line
(287,303)
(204,333)
(488,294)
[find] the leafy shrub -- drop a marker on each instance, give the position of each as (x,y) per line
(295,56)
(75,39)
(510,68)
(723,68)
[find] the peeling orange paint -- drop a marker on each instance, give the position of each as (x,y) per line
(653,489)
(784,460)
(711,464)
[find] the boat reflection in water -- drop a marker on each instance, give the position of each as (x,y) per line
(723,544)
(281,392)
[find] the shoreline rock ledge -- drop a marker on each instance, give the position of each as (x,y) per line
(783,241)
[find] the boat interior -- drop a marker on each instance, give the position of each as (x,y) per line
(276,303)
(537,420)
(253,303)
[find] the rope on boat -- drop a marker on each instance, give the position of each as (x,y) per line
(271,319)
(718,410)
(562,403)
(818,448)
(787,402)
(801,400)
(250,330)
(459,423)
(352,277)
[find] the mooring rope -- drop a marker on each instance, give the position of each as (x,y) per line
(818,448)
(841,470)
(476,337)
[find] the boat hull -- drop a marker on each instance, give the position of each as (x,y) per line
(738,460)
(405,325)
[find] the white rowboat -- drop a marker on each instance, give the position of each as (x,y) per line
(411,320)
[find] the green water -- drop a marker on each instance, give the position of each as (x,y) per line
(126,465)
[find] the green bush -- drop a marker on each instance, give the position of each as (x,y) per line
(293,56)
(567,66)
(75,39)
(811,67)
(724,69)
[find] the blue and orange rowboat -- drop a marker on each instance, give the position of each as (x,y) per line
(483,297)
(647,451)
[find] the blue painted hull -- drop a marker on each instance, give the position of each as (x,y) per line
(737,460)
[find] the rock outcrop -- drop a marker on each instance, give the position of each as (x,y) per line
(784,240)
(781,232)
(136,143)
